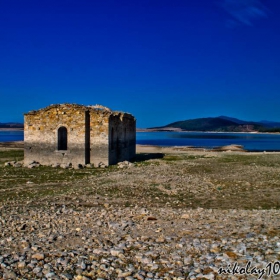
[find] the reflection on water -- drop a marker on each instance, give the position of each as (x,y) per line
(250,141)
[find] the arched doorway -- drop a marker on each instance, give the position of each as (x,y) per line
(62,138)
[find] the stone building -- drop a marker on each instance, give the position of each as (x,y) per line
(77,134)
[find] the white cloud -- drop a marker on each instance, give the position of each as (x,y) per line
(244,11)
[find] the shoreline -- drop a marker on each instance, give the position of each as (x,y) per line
(173,130)
(11,129)
(140,148)
(183,149)
(198,131)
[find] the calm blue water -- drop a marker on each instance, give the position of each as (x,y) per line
(250,141)
(6,136)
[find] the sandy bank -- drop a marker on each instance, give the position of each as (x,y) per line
(158,149)
(11,129)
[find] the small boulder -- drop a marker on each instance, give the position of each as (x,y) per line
(38,256)
(66,165)
(78,166)
(102,165)
(34,165)
(17,165)
(125,163)
(185,216)
(116,252)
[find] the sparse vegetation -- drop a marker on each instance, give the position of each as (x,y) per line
(168,209)
(190,179)
(9,155)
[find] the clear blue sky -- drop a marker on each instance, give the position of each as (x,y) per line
(161,60)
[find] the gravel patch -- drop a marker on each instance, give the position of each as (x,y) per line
(60,242)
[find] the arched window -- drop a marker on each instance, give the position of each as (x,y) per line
(62,138)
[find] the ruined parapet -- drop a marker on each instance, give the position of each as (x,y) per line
(100,107)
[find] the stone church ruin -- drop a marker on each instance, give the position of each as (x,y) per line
(77,134)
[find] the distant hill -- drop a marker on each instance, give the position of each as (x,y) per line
(270,124)
(11,125)
(236,120)
(266,124)
(219,124)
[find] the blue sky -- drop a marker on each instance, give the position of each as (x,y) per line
(162,61)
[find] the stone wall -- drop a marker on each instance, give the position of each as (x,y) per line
(41,135)
(99,138)
(122,137)
(88,135)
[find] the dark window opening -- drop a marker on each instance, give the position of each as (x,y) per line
(62,138)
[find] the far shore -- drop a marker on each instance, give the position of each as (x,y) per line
(169,130)
(11,129)
(198,131)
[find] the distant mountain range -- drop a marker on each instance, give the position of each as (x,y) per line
(220,124)
(263,123)
(11,125)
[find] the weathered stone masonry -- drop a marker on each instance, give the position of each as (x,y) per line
(78,134)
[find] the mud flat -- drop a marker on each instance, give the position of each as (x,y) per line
(175,213)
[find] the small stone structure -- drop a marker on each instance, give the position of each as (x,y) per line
(77,134)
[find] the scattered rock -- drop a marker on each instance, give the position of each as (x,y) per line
(124,164)
(185,216)
(111,243)
(66,165)
(78,166)
(15,164)
(230,148)
(38,256)
(102,165)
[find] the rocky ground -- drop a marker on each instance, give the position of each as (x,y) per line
(172,214)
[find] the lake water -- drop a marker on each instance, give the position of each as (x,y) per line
(6,136)
(250,141)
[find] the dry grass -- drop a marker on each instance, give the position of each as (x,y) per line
(175,179)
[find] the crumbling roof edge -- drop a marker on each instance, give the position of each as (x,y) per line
(73,105)
(95,108)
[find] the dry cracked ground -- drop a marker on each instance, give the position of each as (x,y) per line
(173,214)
